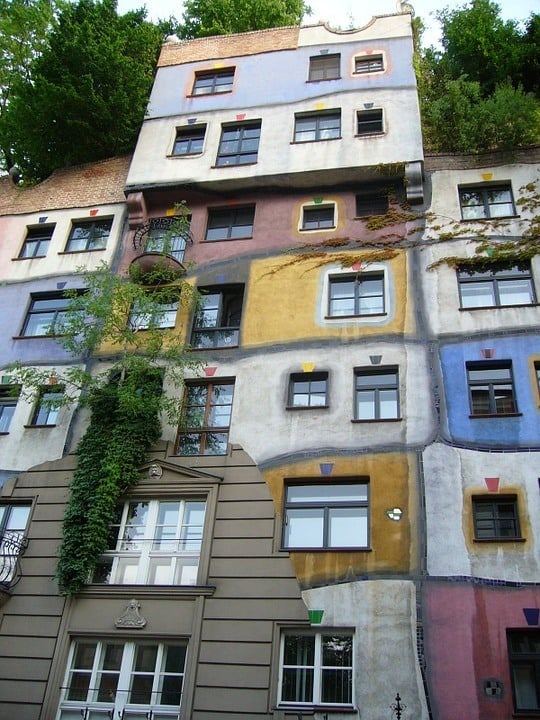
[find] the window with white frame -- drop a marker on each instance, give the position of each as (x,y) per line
(376,393)
(318,217)
(115,678)
(326,515)
(154,542)
(88,235)
(9,395)
(500,285)
(37,241)
(48,406)
(316,668)
(481,202)
(364,64)
(357,295)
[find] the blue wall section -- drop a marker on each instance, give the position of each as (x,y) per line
(504,432)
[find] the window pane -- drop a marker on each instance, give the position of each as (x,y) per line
(388,404)
(477,294)
(297,685)
(515,292)
(347,492)
(304,528)
(348,527)
(525,687)
(504,399)
(365,405)
(336,686)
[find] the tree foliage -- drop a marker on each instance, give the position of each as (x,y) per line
(203,18)
(84,96)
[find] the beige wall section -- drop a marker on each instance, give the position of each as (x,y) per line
(393,545)
(287,301)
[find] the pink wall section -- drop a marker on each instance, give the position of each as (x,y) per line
(465,643)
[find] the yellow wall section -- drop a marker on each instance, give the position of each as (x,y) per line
(283,302)
(393,548)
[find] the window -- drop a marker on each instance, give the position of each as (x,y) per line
(161,238)
(154,542)
(372,201)
(46,315)
(491,388)
(316,668)
(537,374)
(376,394)
(356,295)
(524,657)
(368,64)
(239,144)
(47,406)
(324,67)
(217,319)
(369,122)
(486,201)
(308,389)
(319,217)
(211,82)
(160,315)
(8,402)
(230,223)
(13,521)
(495,518)
(500,286)
(144,679)
(189,140)
(324,516)
(37,242)
(317,126)
(88,235)
(206,420)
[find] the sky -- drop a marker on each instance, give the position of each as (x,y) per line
(345,14)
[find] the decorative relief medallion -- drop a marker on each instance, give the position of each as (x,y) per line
(131,617)
(155,471)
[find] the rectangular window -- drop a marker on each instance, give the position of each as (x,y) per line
(308,389)
(369,122)
(9,395)
(317,126)
(482,202)
(189,140)
(524,657)
(143,678)
(495,518)
(211,82)
(162,237)
(319,217)
(500,286)
(206,419)
(356,295)
(368,64)
(373,201)
(13,522)
(46,315)
(154,542)
(376,393)
(239,144)
(326,516)
(88,235)
(316,668)
(217,319)
(491,388)
(324,67)
(232,223)
(48,406)
(160,315)
(37,242)
(537,375)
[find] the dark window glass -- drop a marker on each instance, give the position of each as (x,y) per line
(213,81)
(89,235)
(495,518)
(9,395)
(230,223)
(356,295)
(318,218)
(486,201)
(491,388)
(524,656)
(500,286)
(324,67)
(317,126)
(217,319)
(309,389)
(48,405)
(206,419)
(189,140)
(368,64)
(376,394)
(372,203)
(37,242)
(369,122)
(239,144)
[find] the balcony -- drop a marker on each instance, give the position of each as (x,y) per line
(161,243)
(12,546)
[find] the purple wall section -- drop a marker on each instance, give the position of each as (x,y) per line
(465,644)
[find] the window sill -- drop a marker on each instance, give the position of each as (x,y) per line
(378,420)
(499,307)
(315,140)
(232,165)
(34,257)
(354,317)
(307,407)
(4,433)
(32,427)
(327,549)
(526,714)
(379,133)
(324,79)
(491,416)
(183,155)
(489,219)
(312,709)
(165,591)
(321,229)
(79,252)
(500,540)
(35,337)
(247,237)
(199,95)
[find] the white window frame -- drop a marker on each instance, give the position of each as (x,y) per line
(141,553)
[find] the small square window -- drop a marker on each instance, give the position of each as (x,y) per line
(481,202)
(495,517)
(211,82)
(499,286)
(308,390)
(369,122)
(326,516)
(524,657)
(324,67)
(317,126)
(491,388)
(88,235)
(204,429)
(189,140)
(37,242)
(376,393)
(356,295)
(319,217)
(368,64)
(239,144)
(9,395)
(233,223)
(217,319)
(48,406)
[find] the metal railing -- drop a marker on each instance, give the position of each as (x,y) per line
(12,546)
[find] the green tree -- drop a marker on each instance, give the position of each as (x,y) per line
(24,25)
(85,95)
(203,18)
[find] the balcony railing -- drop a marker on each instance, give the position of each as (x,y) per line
(163,235)
(12,546)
